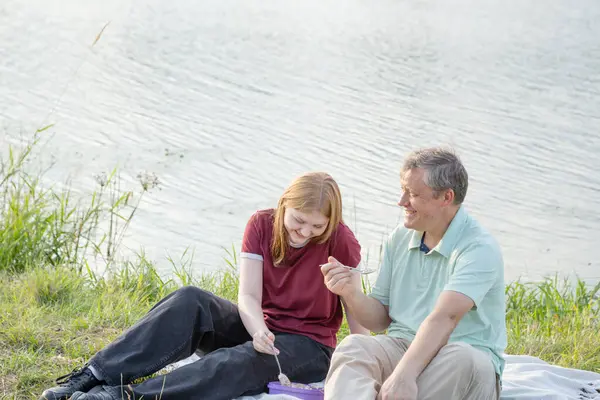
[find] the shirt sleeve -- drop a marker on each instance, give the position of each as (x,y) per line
(381,289)
(251,242)
(344,247)
(476,271)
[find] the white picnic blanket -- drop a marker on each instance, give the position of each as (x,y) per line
(524,378)
(527,377)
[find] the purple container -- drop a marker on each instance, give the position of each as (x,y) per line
(303,394)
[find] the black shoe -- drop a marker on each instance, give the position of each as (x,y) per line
(77,381)
(92,395)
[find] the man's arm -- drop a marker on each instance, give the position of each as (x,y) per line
(353,324)
(433,333)
(368,312)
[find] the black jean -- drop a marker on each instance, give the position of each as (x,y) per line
(190,319)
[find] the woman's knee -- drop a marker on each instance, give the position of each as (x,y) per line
(192,294)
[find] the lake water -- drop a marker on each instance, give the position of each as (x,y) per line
(227,101)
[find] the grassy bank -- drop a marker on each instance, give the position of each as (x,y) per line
(52,320)
(55,312)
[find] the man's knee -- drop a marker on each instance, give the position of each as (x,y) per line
(355,342)
(353,347)
(464,360)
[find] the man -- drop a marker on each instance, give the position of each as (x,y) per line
(439,293)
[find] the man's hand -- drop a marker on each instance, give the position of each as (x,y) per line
(397,387)
(339,279)
(264,342)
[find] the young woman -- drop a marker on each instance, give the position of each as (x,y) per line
(283,308)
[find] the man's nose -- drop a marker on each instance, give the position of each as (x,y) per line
(403,202)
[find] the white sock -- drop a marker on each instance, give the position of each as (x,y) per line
(96,374)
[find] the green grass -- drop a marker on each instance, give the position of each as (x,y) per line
(53,319)
(556,320)
(55,312)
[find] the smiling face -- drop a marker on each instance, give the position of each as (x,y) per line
(423,207)
(309,209)
(303,226)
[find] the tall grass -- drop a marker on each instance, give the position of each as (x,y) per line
(41,227)
(556,319)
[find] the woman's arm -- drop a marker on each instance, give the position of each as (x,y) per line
(250,295)
(250,306)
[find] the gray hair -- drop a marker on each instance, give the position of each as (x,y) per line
(443,170)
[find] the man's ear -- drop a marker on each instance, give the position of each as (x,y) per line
(449,197)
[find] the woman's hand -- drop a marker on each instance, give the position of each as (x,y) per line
(264,342)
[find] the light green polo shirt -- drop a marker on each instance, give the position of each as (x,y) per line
(467,260)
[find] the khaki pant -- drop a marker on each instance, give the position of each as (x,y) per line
(361,364)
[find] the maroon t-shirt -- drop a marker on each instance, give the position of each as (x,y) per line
(295,298)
